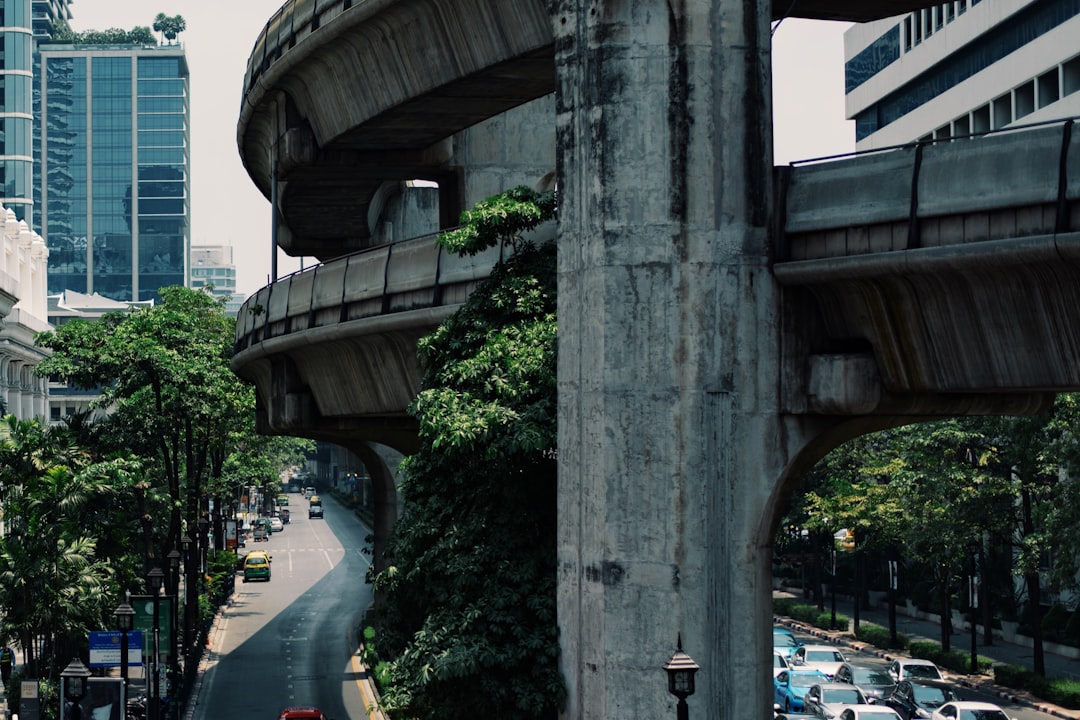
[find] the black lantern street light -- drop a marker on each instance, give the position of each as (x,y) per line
(204,543)
(174,591)
(125,622)
(680,669)
(189,576)
(156,578)
(74,679)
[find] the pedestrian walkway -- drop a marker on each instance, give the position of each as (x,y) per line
(922,628)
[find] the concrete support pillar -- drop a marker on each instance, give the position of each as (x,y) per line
(381,464)
(671,441)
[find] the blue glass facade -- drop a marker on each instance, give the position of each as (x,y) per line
(114,206)
(16,96)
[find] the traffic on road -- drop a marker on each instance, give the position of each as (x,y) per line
(288,635)
(816,680)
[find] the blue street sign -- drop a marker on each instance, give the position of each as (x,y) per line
(105,648)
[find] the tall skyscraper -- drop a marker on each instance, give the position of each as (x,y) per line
(113,158)
(962,67)
(21,23)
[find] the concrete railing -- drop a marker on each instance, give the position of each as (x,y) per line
(394,278)
(294,21)
(1020,182)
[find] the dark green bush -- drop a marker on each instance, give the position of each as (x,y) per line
(878,636)
(1013,676)
(809,614)
(1059,691)
(1064,692)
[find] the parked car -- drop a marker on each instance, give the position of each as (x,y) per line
(302,712)
(867,712)
(919,698)
(825,700)
(276,525)
(779,663)
(825,658)
(790,686)
(969,710)
(914,669)
(873,680)
(256,566)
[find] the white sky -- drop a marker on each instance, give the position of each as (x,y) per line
(226,208)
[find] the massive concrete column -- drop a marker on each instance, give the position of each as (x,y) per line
(671,440)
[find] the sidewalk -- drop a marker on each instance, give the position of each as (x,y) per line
(1056,665)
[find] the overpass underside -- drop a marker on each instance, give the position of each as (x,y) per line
(721,325)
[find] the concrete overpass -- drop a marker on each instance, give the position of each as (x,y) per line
(722,326)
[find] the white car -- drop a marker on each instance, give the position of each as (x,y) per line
(826,700)
(914,669)
(276,525)
(866,712)
(825,658)
(779,663)
(969,710)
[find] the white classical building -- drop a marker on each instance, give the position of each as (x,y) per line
(962,67)
(23,313)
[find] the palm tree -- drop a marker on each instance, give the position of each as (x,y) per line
(169,25)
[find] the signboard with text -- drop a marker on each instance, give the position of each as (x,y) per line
(106,648)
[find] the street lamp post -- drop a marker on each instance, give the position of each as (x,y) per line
(174,579)
(125,621)
(74,678)
(973,601)
(155,578)
(185,542)
(680,669)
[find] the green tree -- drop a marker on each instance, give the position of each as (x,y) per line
(165,377)
(61,511)
(169,25)
(468,592)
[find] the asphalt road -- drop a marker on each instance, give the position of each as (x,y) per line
(290,641)
(1013,710)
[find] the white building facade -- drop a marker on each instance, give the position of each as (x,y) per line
(23,314)
(962,68)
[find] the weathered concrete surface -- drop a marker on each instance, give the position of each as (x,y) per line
(342,96)
(671,439)
(697,379)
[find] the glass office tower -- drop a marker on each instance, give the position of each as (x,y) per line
(113,153)
(16,120)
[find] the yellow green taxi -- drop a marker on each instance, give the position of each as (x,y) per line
(257,565)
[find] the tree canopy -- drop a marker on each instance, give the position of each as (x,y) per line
(169,25)
(468,592)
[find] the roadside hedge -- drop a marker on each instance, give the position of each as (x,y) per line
(1059,691)
(879,637)
(809,614)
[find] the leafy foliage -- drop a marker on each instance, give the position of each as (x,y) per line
(63,34)
(169,25)
(468,590)
(501,218)
(63,554)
